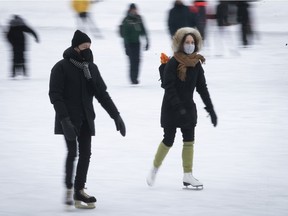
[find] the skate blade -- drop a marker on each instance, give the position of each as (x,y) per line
(191,187)
(82,205)
(196,188)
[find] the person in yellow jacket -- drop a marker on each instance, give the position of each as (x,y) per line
(81,7)
(84,20)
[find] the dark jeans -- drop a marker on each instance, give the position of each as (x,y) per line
(18,62)
(245,30)
(84,146)
(169,135)
(133,52)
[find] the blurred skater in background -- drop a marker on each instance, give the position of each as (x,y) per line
(131,29)
(244,19)
(17,39)
(199,7)
(178,17)
(226,17)
(84,20)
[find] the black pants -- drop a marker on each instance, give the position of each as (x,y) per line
(18,62)
(84,146)
(169,135)
(245,30)
(133,52)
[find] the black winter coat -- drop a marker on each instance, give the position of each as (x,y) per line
(72,94)
(179,16)
(16,37)
(179,95)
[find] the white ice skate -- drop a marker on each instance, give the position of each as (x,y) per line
(152,176)
(189,180)
(69,197)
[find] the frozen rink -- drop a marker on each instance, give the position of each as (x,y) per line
(242,162)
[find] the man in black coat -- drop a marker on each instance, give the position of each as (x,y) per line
(74,81)
(179,16)
(16,37)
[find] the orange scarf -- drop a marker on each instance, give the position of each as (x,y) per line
(186,61)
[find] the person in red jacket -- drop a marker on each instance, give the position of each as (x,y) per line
(199,8)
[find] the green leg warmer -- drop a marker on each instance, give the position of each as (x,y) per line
(160,154)
(187,156)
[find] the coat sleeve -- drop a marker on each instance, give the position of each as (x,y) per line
(201,88)
(56,91)
(144,30)
(169,79)
(30,31)
(100,91)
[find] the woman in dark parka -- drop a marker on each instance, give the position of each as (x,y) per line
(182,74)
(74,81)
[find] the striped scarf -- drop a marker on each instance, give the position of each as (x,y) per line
(83,66)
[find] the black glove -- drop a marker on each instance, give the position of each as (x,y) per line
(212,115)
(120,125)
(147,44)
(69,130)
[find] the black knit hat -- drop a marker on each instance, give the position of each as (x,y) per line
(79,38)
(132,6)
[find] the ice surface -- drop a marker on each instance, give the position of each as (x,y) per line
(242,162)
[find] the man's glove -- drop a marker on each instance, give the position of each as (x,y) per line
(120,125)
(212,115)
(69,130)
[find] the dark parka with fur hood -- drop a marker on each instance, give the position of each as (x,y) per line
(179,94)
(72,94)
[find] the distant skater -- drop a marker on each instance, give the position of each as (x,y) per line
(131,29)
(84,19)
(17,39)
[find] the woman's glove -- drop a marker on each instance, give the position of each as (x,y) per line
(212,115)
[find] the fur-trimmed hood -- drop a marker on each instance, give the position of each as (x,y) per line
(179,35)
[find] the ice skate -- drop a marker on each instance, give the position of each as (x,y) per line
(69,197)
(83,200)
(189,180)
(152,176)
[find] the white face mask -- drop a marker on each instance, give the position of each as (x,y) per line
(189,48)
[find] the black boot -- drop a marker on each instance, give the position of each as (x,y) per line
(80,196)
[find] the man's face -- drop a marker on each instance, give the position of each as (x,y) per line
(83,46)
